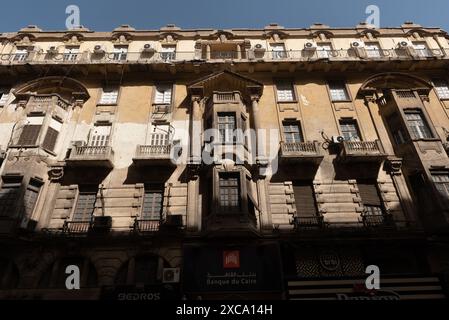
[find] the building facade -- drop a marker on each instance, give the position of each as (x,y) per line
(224,164)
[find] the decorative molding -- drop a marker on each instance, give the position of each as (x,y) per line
(393,166)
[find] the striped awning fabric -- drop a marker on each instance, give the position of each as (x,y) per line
(392,288)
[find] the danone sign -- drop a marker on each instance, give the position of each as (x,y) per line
(391,288)
(230,269)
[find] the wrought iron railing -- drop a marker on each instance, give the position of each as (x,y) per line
(77,227)
(312,222)
(146,225)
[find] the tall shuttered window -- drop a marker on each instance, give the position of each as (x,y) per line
(100,136)
(350,130)
(371,200)
(441,181)
(305,199)
(229,192)
(109,96)
(30,132)
(338,91)
(442,88)
(163,94)
(31,196)
(85,204)
(152,203)
(292,131)
(226,127)
(9,194)
(52,135)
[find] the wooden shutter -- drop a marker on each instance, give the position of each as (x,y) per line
(29,135)
(50,139)
(304,199)
(369,193)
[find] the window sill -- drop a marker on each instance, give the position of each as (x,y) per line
(341,101)
(107,104)
(287,101)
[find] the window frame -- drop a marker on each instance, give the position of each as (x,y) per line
(435,86)
(291,84)
(291,122)
(424,119)
(11,182)
(84,190)
(348,97)
(238,188)
(346,121)
(112,88)
(169,86)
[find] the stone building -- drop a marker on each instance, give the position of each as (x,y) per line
(230,164)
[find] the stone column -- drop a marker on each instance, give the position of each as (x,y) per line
(260,150)
(394,165)
(195,131)
(193,205)
(193,166)
(261,162)
(379,126)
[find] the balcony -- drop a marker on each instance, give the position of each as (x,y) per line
(153,155)
(366,223)
(362,151)
(306,223)
(90,156)
(76,227)
(301,152)
(144,57)
(146,226)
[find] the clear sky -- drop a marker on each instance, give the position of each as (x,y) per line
(104,15)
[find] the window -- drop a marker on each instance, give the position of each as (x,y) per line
(278,51)
(52,135)
(141,270)
(21,54)
(324,50)
(163,94)
(31,195)
(4,96)
(421,49)
(417,125)
(441,181)
(85,204)
(350,130)
(30,131)
(71,53)
(372,50)
(109,96)
(229,195)
(100,136)
(441,88)
(226,127)
(168,53)
(152,203)
(120,53)
(285,92)
(292,132)
(371,200)
(9,194)
(338,91)
(305,199)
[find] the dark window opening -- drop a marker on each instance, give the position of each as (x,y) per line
(305,199)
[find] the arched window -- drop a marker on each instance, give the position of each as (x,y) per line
(142,270)
(9,275)
(55,276)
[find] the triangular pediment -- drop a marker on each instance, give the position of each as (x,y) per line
(225,81)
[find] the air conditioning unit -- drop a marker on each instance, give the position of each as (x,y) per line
(101,224)
(99,49)
(171,275)
(147,48)
(52,50)
(337,139)
(357,44)
(310,45)
(405,44)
